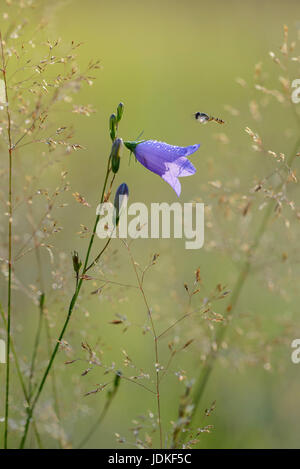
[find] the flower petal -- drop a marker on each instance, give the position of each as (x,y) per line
(174,182)
(182,167)
(168,161)
(191,149)
(160,150)
(154,163)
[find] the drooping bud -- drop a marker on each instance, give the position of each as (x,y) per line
(121,197)
(113,126)
(76,262)
(116,384)
(117,379)
(42,300)
(116,151)
(120,110)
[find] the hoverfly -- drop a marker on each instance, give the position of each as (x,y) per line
(203,118)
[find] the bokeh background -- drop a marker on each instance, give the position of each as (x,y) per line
(166,60)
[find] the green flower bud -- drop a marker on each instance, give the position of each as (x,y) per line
(113,126)
(120,110)
(42,300)
(117,379)
(76,262)
(121,198)
(115,155)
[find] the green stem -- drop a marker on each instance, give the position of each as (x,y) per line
(208,367)
(46,322)
(20,376)
(36,342)
(9,246)
(155,346)
(53,376)
(98,256)
(100,418)
(70,310)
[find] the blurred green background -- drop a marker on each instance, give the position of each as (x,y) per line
(166,60)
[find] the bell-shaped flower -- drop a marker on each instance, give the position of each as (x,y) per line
(168,161)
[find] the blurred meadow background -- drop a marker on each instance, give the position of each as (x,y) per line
(164,60)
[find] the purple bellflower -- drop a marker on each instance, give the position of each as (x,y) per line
(168,161)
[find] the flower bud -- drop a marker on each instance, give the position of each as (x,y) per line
(117,379)
(76,262)
(120,110)
(113,126)
(121,197)
(115,155)
(42,300)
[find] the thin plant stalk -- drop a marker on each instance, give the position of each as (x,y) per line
(105,409)
(53,376)
(96,425)
(45,318)
(98,256)
(36,342)
(208,367)
(155,345)
(10,215)
(20,376)
(70,310)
